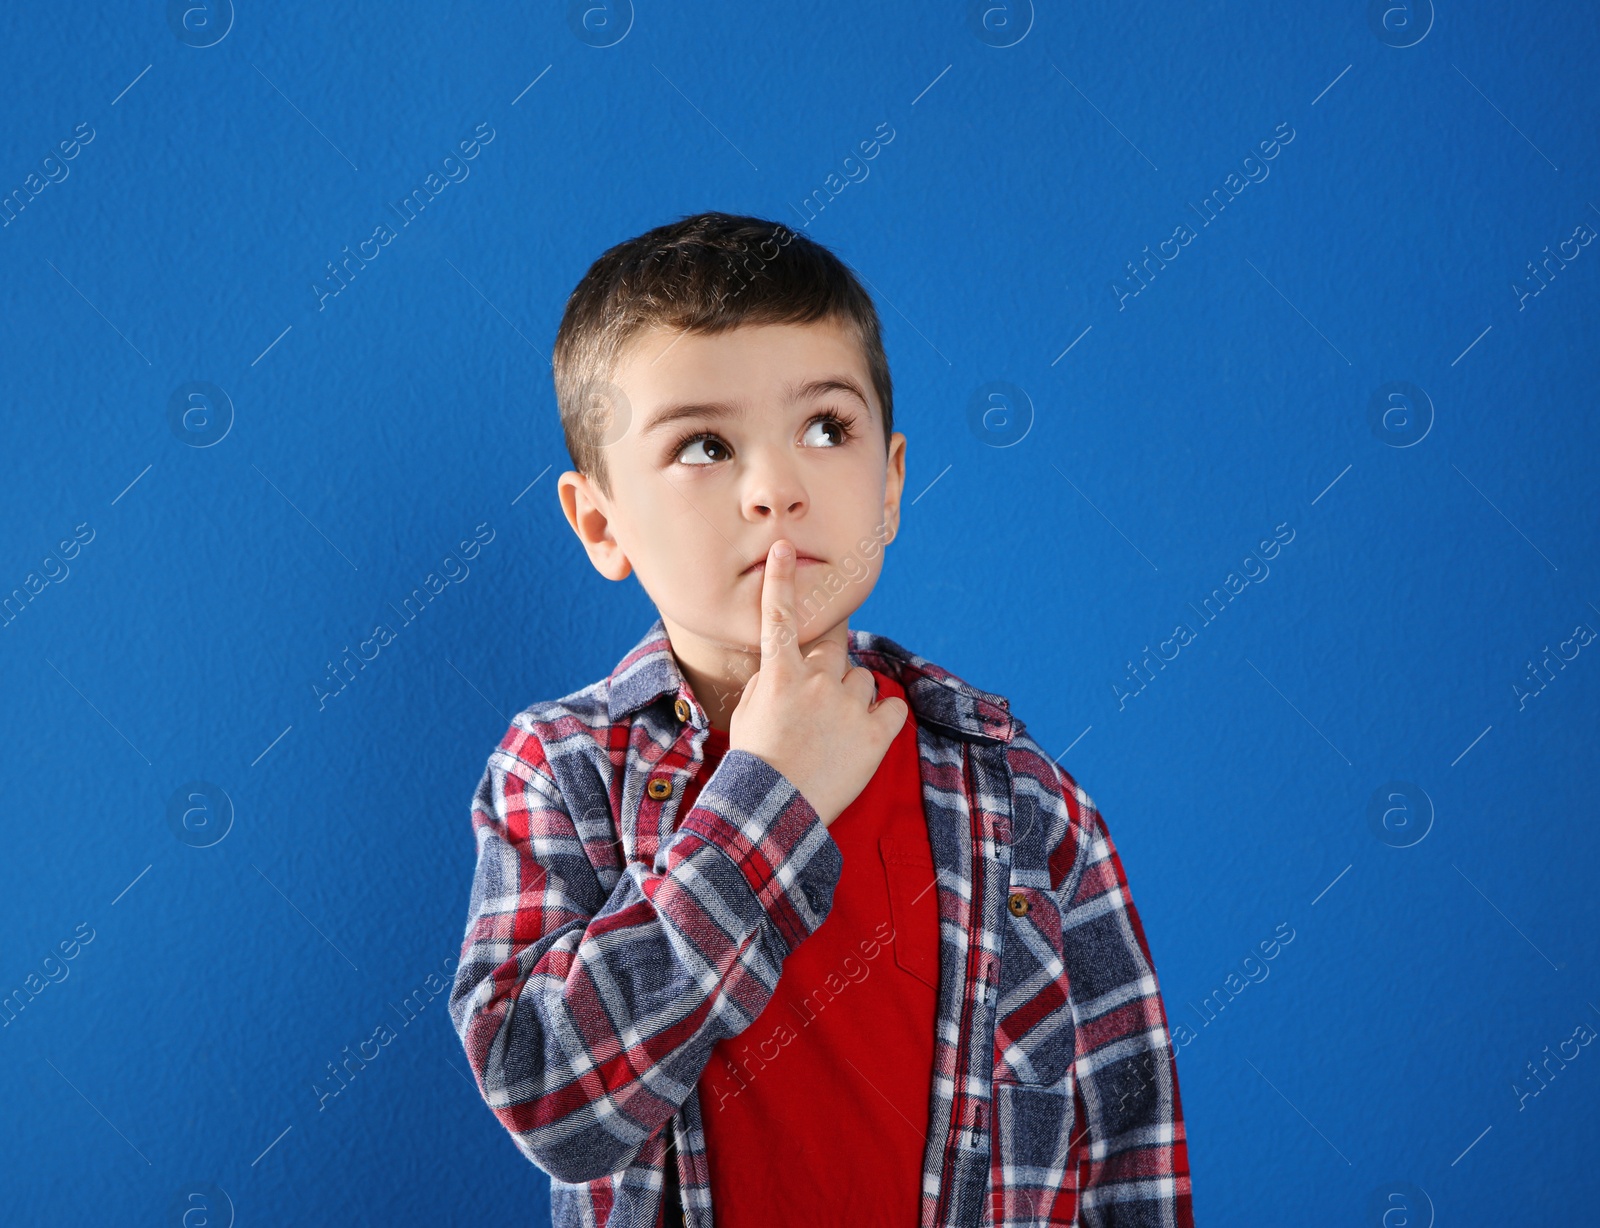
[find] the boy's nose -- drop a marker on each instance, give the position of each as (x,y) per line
(774,492)
(790,508)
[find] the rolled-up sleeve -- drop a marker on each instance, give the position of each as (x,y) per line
(587,1015)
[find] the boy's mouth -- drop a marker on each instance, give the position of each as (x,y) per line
(759,567)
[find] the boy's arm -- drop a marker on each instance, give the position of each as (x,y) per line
(588,1016)
(1129,1150)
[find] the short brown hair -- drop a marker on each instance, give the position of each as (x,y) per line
(704,273)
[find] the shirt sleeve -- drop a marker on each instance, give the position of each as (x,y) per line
(588,1014)
(1129,1154)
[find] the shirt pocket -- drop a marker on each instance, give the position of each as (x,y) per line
(909,875)
(1034,1035)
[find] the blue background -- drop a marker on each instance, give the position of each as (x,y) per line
(1436,953)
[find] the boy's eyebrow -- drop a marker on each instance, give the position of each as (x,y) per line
(669,414)
(836,383)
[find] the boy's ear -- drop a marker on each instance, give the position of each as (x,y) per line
(894,484)
(586,511)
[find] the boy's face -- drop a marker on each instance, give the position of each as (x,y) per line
(787,442)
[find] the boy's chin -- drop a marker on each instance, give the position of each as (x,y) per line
(723,630)
(740,632)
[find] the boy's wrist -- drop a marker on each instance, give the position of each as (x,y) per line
(759,820)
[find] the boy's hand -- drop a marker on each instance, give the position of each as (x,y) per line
(811,715)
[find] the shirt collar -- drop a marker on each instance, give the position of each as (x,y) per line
(937,697)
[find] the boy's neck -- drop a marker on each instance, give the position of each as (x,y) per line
(717,672)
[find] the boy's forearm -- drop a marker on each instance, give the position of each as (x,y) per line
(566,993)
(753,815)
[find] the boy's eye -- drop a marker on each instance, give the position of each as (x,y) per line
(705,448)
(830,426)
(686,452)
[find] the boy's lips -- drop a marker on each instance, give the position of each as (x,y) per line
(759,567)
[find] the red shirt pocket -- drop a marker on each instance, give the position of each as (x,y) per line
(913,905)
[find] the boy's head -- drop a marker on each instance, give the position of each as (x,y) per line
(722,384)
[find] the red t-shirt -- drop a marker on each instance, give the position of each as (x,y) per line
(817,1113)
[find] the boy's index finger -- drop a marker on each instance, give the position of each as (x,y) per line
(779,636)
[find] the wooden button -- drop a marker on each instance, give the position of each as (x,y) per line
(659,788)
(1018,904)
(681,708)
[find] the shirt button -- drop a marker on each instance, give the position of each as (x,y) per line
(681,708)
(659,788)
(1018,904)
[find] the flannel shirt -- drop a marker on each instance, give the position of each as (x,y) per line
(611,942)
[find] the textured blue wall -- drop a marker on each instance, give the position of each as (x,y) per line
(220,474)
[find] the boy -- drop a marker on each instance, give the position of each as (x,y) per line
(781,923)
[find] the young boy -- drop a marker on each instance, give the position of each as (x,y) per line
(781,923)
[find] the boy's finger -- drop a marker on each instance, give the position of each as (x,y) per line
(892,711)
(780,640)
(745,691)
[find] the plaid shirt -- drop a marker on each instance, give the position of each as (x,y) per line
(612,942)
